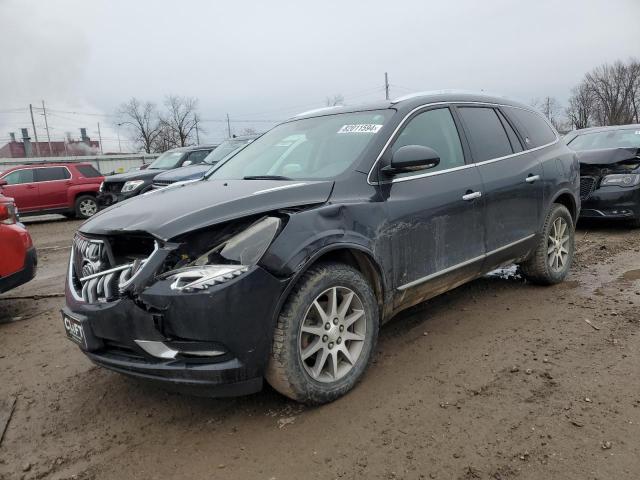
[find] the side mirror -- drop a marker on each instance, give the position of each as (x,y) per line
(412,158)
(3,182)
(187,163)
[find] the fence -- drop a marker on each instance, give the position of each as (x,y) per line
(106,164)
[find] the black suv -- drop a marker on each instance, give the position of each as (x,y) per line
(284,261)
(116,188)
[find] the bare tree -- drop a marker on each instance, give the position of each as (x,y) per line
(615,90)
(180,118)
(142,118)
(550,108)
(335,100)
(581,106)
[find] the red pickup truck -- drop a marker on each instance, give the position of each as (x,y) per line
(66,188)
(18,260)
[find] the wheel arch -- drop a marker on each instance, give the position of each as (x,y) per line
(351,254)
(567,198)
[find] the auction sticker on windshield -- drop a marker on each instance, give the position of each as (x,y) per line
(362,128)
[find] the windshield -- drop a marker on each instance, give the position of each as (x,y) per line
(609,139)
(306,149)
(167,160)
(224,149)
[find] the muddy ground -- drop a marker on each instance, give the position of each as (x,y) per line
(497,379)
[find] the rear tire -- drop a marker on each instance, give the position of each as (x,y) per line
(86,206)
(551,260)
(325,335)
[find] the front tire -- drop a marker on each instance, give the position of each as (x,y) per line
(325,335)
(551,260)
(86,206)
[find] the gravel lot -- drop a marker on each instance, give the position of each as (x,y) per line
(496,379)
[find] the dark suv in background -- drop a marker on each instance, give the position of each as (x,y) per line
(126,185)
(196,172)
(283,262)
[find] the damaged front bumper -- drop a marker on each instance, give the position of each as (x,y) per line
(612,202)
(217,339)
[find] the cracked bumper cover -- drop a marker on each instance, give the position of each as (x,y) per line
(612,202)
(236,317)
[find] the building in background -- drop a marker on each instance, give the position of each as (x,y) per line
(69,147)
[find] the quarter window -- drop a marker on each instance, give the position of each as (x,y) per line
(536,130)
(437,130)
(19,176)
(51,173)
(486,134)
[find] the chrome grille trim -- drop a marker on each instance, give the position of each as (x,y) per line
(98,284)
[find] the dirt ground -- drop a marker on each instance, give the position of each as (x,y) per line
(498,379)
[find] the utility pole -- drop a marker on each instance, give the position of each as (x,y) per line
(228,126)
(386,86)
(46,126)
(195,116)
(100,138)
(118,132)
(35,133)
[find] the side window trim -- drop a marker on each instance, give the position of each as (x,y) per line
(372,176)
(503,119)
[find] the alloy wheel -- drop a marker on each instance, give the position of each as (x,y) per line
(88,207)
(332,334)
(557,251)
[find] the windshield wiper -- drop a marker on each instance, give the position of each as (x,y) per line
(266,177)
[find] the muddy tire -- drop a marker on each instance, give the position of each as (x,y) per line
(551,260)
(86,206)
(325,335)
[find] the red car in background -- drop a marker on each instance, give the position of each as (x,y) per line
(18,259)
(66,188)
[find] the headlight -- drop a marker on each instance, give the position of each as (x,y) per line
(101,189)
(131,185)
(621,180)
(228,259)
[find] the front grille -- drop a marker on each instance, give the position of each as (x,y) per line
(587,186)
(96,274)
(112,187)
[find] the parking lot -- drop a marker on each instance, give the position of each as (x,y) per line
(496,379)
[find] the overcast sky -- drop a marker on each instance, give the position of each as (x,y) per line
(266,60)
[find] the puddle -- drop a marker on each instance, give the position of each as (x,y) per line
(631,275)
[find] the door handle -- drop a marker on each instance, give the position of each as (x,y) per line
(532,178)
(471,196)
(31,187)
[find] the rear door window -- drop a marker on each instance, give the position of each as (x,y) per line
(435,129)
(487,136)
(19,176)
(49,174)
(534,128)
(87,171)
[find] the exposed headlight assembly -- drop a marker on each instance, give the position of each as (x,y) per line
(227,260)
(131,185)
(621,180)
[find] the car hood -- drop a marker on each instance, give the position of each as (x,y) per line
(185,173)
(135,175)
(608,156)
(185,207)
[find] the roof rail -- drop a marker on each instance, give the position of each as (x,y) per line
(441,92)
(317,110)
